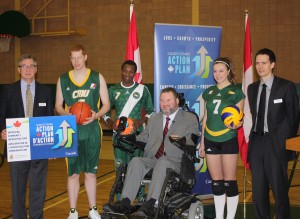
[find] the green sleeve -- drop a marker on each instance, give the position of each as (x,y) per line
(239,95)
(148,102)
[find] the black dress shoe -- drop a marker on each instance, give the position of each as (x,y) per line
(117,207)
(145,211)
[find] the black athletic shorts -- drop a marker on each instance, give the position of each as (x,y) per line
(228,147)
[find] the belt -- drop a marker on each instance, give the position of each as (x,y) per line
(261,134)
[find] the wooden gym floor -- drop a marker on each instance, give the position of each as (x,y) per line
(57,205)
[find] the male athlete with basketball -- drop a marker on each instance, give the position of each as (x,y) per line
(219,142)
(83,85)
(129,98)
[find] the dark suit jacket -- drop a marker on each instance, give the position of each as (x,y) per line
(282,115)
(12,103)
(184,124)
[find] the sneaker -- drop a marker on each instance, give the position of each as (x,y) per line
(93,214)
(73,215)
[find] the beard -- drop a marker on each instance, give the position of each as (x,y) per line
(169,111)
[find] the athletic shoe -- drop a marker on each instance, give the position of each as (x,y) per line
(73,215)
(93,214)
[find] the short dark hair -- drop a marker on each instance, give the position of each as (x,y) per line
(129,62)
(268,52)
(170,89)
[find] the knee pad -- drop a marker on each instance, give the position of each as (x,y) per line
(231,188)
(218,187)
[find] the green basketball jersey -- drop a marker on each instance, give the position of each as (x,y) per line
(216,100)
(130,101)
(87,91)
(89,136)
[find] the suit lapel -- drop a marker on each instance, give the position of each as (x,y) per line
(36,97)
(175,120)
(255,95)
(19,97)
(275,87)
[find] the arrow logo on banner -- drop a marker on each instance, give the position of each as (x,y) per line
(70,139)
(207,67)
(64,135)
(202,52)
(60,134)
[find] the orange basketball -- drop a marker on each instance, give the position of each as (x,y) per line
(81,110)
(127,127)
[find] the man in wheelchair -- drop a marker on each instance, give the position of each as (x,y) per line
(159,154)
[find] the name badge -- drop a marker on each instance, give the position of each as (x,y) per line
(42,104)
(278,101)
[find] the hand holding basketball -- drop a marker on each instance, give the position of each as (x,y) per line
(82,111)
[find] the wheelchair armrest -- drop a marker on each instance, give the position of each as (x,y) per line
(130,140)
(188,150)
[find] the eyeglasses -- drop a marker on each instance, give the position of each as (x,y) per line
(24,67)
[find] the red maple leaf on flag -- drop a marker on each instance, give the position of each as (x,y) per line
(17,124)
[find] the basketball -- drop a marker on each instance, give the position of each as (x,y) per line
(81,110)
(232,116)
(124,126)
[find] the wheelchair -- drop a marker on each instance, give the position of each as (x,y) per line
(175,200)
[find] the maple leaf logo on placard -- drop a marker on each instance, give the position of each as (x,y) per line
(38,134)
(17,124)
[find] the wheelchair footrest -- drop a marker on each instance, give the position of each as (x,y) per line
(178,204)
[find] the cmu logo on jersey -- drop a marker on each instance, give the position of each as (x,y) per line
(80,93)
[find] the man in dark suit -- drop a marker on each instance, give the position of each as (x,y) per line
(180,123)
(274,120)
(15,104)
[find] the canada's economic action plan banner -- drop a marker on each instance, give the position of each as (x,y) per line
(183,59)
(41,138)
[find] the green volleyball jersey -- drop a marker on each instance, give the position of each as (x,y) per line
(216,100)
(129,101)
(87,91)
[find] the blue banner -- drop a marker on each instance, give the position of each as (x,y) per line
(41,137)
(183,59)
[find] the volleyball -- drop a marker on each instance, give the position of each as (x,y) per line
(82,111)
(232,116)
(124,126)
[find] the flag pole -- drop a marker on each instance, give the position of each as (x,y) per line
(245,169)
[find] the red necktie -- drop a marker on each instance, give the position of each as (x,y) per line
(161,149)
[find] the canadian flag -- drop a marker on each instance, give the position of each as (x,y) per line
(244,131)
(132,50)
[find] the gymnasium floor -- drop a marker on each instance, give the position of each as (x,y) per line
(57,206)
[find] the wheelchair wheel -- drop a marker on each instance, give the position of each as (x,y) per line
(196,211)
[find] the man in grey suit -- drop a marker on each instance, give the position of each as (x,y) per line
(273,123)
(179,123)
(15,104)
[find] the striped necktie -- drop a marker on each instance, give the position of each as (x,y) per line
(161,149)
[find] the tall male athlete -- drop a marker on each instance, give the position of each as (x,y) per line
(83,85)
